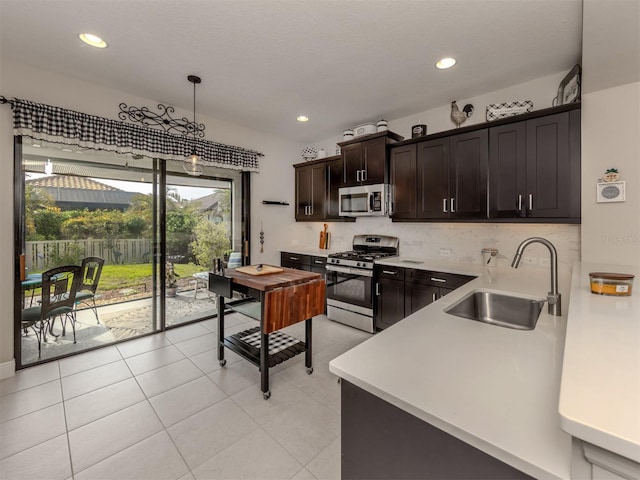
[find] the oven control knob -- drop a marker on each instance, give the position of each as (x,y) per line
(337,261)
(358,264)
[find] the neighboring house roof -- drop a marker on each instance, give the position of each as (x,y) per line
(78,193)
(209,202)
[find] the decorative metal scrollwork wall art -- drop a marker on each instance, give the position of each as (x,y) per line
(163,119)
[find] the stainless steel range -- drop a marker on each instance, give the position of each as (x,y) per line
(350,280)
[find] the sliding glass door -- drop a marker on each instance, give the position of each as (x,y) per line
(198,230)
(154,229)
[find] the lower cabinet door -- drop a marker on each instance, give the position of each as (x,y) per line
(418,295)
(389,303)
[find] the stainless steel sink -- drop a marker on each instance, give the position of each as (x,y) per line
(498,309)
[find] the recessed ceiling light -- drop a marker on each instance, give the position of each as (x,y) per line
(93,40)
(445,63)
(302,118)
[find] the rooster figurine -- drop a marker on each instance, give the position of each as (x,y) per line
(458,116)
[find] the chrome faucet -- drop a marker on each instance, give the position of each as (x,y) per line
(553,297)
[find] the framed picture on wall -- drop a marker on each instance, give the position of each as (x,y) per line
(569,88)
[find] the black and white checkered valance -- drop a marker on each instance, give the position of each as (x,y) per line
(59,125)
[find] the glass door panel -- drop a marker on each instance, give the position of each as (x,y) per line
(198,230)
(81,203)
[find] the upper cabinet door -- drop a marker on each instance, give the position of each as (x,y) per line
(303,192)
(468,166)
(318,191)
(311,187)
(374,161)
(335,171)
(402,171)
(433,179)
(507,170)
(353,157)
(548,192)
(535,168)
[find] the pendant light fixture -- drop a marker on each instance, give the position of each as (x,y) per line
(192,164)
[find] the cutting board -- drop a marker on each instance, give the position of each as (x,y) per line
(253,270)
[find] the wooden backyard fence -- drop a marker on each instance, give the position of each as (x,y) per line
(40,255)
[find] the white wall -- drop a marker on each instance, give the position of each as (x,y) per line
(611,129)
(610,138)
(274,182)
(540,91)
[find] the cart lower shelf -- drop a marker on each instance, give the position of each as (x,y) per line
(282,347)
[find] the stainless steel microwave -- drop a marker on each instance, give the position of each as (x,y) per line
(364,201)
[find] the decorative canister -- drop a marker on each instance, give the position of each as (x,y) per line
(364,129)
(309,153)
(347,135)
(382,125)
(605,283)
(419,130)
(322,153)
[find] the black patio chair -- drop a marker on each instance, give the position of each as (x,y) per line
(91,271)
(59,288)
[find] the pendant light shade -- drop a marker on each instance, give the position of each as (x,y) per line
(193,164)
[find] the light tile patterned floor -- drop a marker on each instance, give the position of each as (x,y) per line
(161,407)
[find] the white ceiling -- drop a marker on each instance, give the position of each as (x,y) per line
(263,62)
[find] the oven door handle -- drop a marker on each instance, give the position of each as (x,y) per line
(350,271)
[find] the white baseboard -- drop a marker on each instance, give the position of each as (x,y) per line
(7,369)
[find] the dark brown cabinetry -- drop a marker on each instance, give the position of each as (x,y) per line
(452,177)
(308,263)
(403,291)
(515,171)
(365,160)
(316,188)
(441,179)
(381,441)
(335,174)
(311,186)
(423,287)
(402,173)
(389,300)
(534,168)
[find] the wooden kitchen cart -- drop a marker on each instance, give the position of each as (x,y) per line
(279,299)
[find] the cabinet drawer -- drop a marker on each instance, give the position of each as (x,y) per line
(302,260)
(318,261)
(437,279)
(386,271)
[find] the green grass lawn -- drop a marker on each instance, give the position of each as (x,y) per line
(116,277)
(123,276)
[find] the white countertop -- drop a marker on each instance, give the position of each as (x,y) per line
(435,265)
(301,250)
(600,390)
(495,388)
(500,390)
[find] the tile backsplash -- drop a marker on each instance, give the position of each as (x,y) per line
(464,241)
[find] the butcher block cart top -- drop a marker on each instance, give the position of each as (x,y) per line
(277,297)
